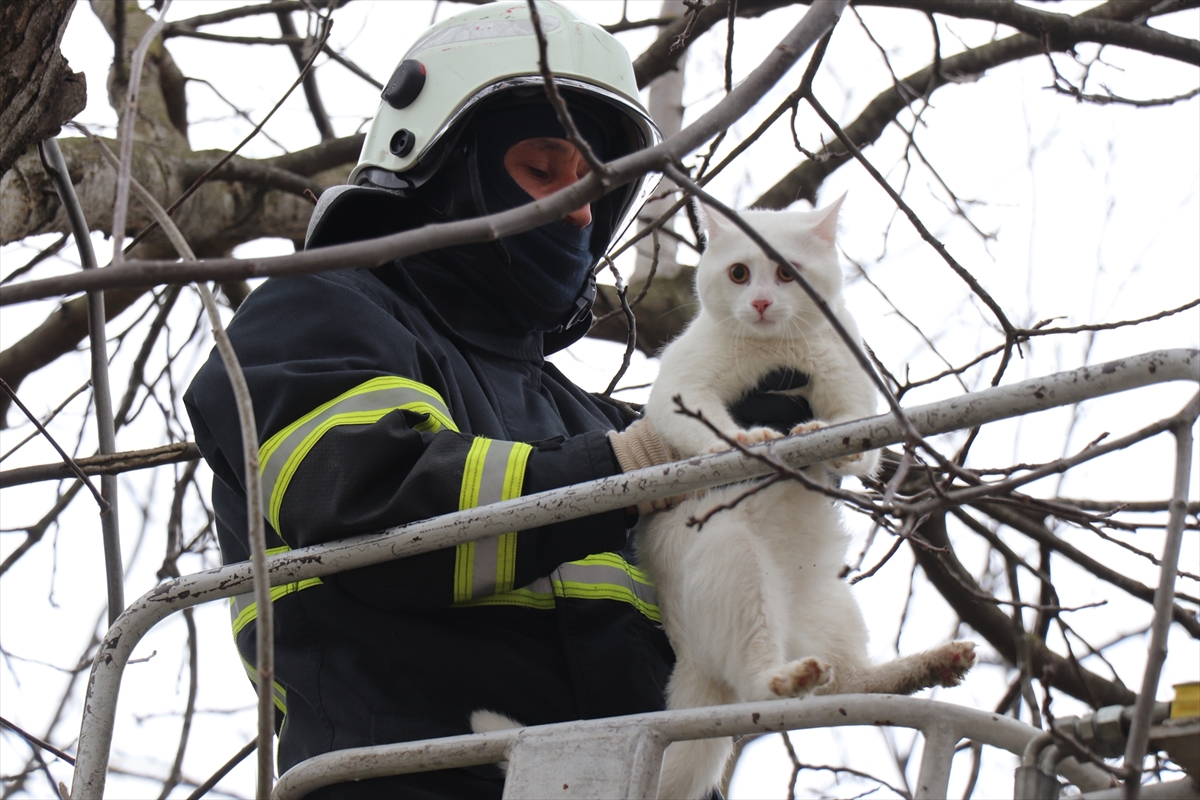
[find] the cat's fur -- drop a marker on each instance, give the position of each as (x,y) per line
(752,601)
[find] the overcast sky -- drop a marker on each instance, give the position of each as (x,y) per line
(1094,213)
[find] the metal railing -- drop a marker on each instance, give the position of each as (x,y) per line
(573,502)
(620,757)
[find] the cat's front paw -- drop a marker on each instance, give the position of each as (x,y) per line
(801,677)
(757,435)
(860,464)
(746,438)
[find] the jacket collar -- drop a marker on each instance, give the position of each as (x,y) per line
(445,284)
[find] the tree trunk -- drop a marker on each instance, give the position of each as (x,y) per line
(38,90)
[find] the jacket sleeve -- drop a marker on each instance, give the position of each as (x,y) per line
(356,436)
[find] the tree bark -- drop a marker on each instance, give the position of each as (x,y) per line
(38,90)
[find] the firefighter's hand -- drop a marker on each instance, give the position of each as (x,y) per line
(640,446)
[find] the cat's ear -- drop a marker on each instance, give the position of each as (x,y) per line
(698,216)
(715,225)
(827,225)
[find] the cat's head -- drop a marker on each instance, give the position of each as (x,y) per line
(736,281)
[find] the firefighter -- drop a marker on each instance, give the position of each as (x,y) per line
(420,387)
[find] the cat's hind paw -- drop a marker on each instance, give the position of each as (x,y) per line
(950,662)
(799,678)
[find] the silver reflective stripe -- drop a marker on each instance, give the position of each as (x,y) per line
(605,576)
(576,574)
(495,556)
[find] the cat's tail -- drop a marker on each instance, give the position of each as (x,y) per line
(484,721)
(691,770)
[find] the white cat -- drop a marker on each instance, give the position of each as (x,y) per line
(752,601)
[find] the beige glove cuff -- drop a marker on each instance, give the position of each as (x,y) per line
(640,446)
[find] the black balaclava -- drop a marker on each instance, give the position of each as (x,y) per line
(541,273)
(550,262)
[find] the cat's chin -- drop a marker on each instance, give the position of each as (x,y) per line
(765,328)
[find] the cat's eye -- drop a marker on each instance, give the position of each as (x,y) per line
(739,273)
(783,275)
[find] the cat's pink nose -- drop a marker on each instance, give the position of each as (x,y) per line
(760,305)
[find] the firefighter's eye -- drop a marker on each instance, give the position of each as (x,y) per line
(739,273)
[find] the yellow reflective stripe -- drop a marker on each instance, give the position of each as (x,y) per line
(242,608)
(247,613)
(464,564)
(506,561)
(607,576)
(278,693)
(468,496)
(281,455)
(539,595)
(604,576)
(514,481)
(493,471)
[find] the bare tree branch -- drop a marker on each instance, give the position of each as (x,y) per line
(482,229)
(111,464)
(1062,31)
(802,182)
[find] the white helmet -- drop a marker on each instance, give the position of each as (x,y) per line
(493,48)
(476,56)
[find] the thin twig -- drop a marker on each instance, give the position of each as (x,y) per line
(933,241)
(225,158)
(1062,464)
(129,118)
(1139,730)
(49,252)
(191,23)
(886,558)
(189,711)
(70,462)
(631,324)
(225,769)
(291,41)
(29,737)
(556,100)
(1132,506)
(54,413)
(350,65)
(106,431)
(752,488)
(312,92)
(256,533)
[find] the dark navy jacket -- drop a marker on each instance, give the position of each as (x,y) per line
(396,394)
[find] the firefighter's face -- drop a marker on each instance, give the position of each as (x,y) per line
(543,166)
